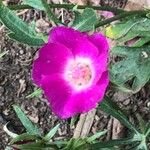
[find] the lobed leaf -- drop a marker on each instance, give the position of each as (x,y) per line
(119,30)
(86,20)
(132,72)
(129,29)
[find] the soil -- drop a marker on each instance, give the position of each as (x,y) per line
(16,84)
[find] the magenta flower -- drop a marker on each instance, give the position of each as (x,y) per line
(72,70)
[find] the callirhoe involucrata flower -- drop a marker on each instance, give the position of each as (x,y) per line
(72,70)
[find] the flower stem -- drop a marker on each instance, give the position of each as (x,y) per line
(70,6)
(122,15)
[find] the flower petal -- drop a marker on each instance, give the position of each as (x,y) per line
(52,59)
(101,62)
(57,92)
(65,102)
(85,49)
(66,36)
(101,42)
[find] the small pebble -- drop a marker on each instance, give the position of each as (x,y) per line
(21,52)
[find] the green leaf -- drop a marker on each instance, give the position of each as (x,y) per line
(110,148)
(36,93)
(74,120)
(24,137)
(119,30)
(60,143)
(142,123)
(111,143)
(11,134)
(32,41)
(132,72)
(142,41)
(147,131)
(129,29)
(20,31)
(142,144)
(3,54)
(37,5)
(9,148)
(76,144)
(85,21)
(111,108)
(30,127)
(96,136)
(114,144)
(39,145)
(51,133)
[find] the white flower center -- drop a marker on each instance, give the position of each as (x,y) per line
(79,73)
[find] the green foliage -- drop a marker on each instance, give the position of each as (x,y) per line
(139,137)
(10,133)
(132,72)
(86,20)
(51,133)
(38,145)
(36,93)
(76,144)
(42,5)
(129,29)
(30,127)
(147,130)
(3,54)
(50,14)
(32,140)
(24,137)
(96,136)
(8,148)
(20,31)
(111,143)
(37,5)
(74,120)
(111,108)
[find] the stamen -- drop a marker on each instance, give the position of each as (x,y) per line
(79,73)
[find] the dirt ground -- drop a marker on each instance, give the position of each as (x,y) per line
(16,84)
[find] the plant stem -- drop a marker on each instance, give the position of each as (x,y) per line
(120,13)
(120,16)
(50,14)
(70,6)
